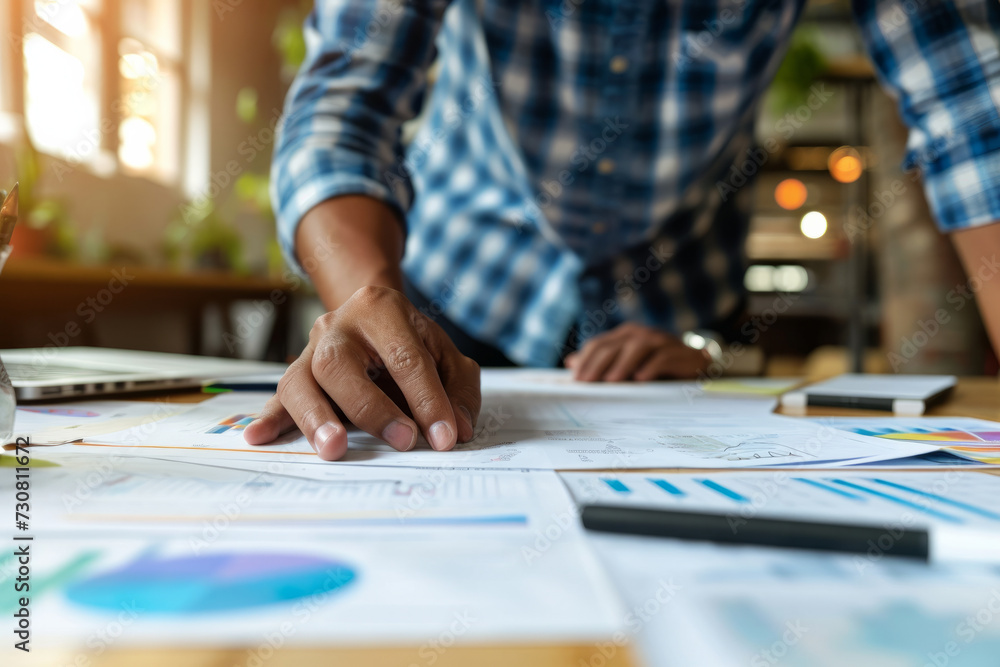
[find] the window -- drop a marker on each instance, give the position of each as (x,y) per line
(104,82)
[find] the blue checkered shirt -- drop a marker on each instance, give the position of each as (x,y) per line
(566,176)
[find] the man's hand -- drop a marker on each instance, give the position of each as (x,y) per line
(375,345)
(635,352)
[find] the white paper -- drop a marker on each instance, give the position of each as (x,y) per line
(59,423)
(525,430)
(386,555)
(128,494)
(736,605)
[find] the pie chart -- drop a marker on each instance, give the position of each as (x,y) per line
(211,583)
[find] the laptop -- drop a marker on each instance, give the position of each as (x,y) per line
(54,373)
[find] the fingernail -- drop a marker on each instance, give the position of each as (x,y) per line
(324,437)
(442,436)
(466,415)
(399,435)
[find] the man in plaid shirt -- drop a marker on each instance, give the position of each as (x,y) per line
(572,185)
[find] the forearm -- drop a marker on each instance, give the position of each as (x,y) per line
(349,242)
(979,249)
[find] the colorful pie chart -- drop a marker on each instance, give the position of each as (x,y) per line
(211,583)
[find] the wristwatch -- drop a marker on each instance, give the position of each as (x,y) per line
(709,342)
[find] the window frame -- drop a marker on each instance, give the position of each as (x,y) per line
(21,18)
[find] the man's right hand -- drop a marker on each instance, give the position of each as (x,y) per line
(374,346)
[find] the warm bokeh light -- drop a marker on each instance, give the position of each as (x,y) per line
(845,164)
(61,111)
(65,16)
(790,194)
(813,224)
(785,278)
(137,138)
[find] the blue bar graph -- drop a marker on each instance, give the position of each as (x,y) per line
(899,501)
(617,485)
(941,499)
(728,493)
(831,489)
(666,486)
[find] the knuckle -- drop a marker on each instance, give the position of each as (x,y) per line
(289,379)
(322,326)
(401,358)
(471,366)
(371,296)
(327,360)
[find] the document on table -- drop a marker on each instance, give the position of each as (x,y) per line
(654,425)
(974,439)
(704,604)
(388,555)
(59,423)
(958,509)
(89,494)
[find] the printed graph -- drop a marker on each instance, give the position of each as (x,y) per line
(842,491)
(977,445)
(236,422)
(210,583)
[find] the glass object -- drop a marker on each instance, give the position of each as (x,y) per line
(7,405)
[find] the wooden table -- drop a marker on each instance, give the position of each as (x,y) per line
(50,302)
(973,397)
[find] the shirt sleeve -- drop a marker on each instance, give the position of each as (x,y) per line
(941,59)
(364,75)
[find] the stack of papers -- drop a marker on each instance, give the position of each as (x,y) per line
(659,425)
(162,515)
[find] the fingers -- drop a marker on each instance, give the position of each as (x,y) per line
(272,421)
(630,357)
(595,359)
(675,362)
(635,352)
(460,378)
(340,368)
(415,371)
(305,403)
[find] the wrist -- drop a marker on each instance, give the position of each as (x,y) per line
(350,242)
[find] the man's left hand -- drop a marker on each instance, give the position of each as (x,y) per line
(635,352)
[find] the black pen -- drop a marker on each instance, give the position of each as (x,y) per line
(733,529)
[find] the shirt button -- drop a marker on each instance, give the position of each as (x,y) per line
(606,166)
(619,64)
(598,227)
